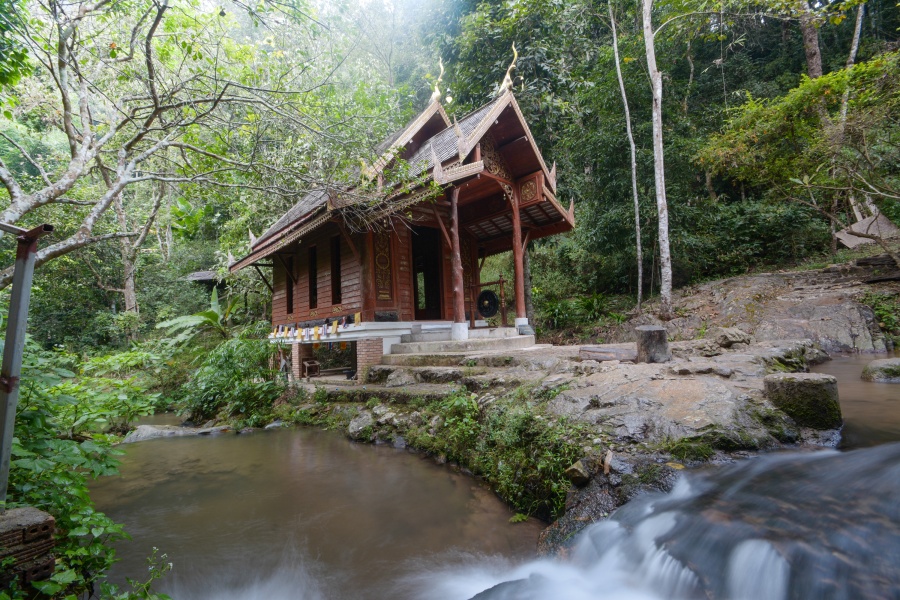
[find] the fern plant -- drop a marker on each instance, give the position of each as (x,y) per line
(215,319)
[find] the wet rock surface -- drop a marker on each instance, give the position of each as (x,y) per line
(142,433)
(883,370)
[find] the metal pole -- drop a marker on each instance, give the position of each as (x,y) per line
(20,297)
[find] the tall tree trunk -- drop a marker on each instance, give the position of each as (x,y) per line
(129,253)
(851,60)
(659,175)
(811,42)
(634,188)
(845,101)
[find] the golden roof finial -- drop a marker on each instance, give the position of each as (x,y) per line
(507,80)
(436,94)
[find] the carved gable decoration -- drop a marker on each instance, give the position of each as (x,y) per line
(493,160)
(531,188)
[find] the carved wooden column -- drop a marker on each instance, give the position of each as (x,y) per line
(518,260)
(459,330)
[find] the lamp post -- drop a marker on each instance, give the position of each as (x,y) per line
(20,297)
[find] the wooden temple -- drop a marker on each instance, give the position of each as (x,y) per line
(416,268)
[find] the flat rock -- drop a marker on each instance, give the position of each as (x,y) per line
(142,433)
(883,370)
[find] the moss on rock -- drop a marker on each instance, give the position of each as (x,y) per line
(810,399)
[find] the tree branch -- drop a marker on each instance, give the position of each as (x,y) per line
(27,156)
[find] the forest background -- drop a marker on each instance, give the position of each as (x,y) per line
(737,200)
(158,136)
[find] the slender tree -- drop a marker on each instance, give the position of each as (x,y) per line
(659,174)
(634,186)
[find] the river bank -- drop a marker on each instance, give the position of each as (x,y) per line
(565,439)
(570,440)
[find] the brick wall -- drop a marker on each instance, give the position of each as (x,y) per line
(368,353)
(299,352)
(26,540)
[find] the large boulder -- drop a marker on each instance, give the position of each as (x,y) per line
(360,427)
(883,370)
(726,337)
(811,399)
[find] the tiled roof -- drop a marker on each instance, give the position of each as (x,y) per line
(311,201)
(444,142)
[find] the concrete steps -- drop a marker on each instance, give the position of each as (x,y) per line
(443,335)
(487,344)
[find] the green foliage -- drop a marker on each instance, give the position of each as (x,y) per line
(460,413)
(557,314)
(216,319)
(687,449)
(592,307)
(887,311)
(522,454)
(235,380)
(13,54)
(56,449)
(330,356)
(799,147)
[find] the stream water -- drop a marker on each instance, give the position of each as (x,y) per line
(307,514)
(300,514)
(871,411)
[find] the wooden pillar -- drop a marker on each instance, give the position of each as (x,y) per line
(518,260)
(459,330)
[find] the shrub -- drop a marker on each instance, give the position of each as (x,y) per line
(236,379)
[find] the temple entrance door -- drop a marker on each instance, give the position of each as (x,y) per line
(426,259)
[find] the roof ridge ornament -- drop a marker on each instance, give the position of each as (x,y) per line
(462,146)
(507,83)
(437,171)
(436,94)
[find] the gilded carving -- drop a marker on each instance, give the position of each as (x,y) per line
(529,190)
(466,247)
(383,284)
(493,160)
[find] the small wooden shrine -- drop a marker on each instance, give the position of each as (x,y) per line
(417,267)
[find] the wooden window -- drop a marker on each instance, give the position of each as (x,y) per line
(313,278)
(289,283)
(336,270)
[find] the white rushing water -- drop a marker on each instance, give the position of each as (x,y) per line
(805,526)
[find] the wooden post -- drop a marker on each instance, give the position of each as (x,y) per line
(652,344)
(518,261)
(460,329)
(503,320)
